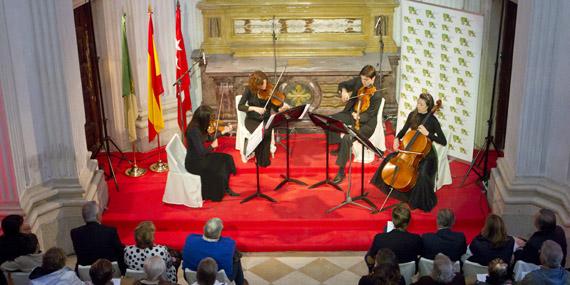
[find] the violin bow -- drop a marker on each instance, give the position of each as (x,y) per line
(275,87)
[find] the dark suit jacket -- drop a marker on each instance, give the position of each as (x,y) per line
(444,241)
(483,251)
(367,117)
(530,252)
(405,245)
(93,241)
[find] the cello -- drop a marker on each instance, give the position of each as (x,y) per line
(401,171)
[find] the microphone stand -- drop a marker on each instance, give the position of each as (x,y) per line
(178,91)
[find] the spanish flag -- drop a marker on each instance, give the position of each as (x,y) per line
(155,89)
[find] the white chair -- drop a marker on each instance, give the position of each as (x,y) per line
(135,274)
(408,270)
(377,139)
(83,271)
(182,187)
(522,269)
(242,133)
(425,267)
(472,268)
(221,276)
(17,278)
(443,170)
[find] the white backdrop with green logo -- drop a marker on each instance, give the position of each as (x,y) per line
(441,55)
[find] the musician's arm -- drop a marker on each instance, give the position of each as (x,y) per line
(348,85)
(243,101)
(437,134)
(372,110)
(404,130)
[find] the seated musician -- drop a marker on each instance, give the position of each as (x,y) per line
(354,93)
(254,103)
(422,194)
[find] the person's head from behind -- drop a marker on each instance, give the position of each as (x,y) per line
(401,217)
(498,272)
(386,256)
(144,234)
(445,218)
(90,212)
(545,220)
(31,244)
(201,118)
(154,268)
(495,230)
(551,254)
(101,272)
(442,269)
(206,272)
(386,274)
(53,259)
(213,228)
(11,224)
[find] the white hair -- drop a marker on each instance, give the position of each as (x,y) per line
(442,269)
(154,267)
(90,212)
(551,254)
(213,228)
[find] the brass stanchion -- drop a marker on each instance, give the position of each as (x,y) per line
(159,166)
(135,170)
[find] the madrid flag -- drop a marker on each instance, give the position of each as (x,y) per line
(184,105)
(155,89)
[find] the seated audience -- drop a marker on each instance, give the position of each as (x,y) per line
(493,242)
(206,274)
(154,268)
(442,273)
(405,245)
(101,272)
(93,240)
(545,223)
(12,240)
(135,255)
(31,259)
(445,241)
(550,272)
(386,270)
(53,270)
(498,273)
(211,244)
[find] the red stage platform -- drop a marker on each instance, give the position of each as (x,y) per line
(298,221)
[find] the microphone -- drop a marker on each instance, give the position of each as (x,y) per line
(378,23)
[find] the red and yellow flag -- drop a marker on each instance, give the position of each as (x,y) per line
(155,89)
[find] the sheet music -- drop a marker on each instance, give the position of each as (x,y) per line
(305,111)
(270,120)
(254,140)
(482,277)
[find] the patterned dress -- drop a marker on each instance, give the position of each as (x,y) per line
(135,257)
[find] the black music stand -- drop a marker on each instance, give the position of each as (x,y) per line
(287,116)
(328,124)
(366,144)
(258,190)
(349,199)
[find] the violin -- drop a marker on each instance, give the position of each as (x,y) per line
(277,99)
(215,126)
(364,95)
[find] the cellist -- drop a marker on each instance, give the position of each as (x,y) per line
(421,195)
(361,109)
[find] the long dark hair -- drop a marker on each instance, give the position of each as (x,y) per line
(201,118)
(416,121)
(495,231)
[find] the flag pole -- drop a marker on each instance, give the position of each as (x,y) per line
(135,170)
(159,166)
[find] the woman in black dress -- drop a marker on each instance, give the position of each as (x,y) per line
(214,168)
(422,195)
(252,103)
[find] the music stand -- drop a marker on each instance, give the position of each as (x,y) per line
(328,124)
(366,144)
(278,119)
(349,199)
(258,190)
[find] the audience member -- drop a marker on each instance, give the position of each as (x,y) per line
(93,240)
(53,270)
(442,273)
(211,244)
(445,241)
(206,274)
(155,268)
(101,272)
(405,245)
(386,270)
(545,223)
(498,273)
(12,240)
(135,255)
(550,272)
(31,259)
(493,242)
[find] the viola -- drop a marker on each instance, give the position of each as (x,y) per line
(364,95)
(401,171)
(277,99)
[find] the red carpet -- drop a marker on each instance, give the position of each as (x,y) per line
(298,221)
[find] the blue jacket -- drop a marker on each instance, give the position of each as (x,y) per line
(547,276)
(196,249)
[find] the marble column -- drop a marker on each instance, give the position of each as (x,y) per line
(43,106)
(535,171)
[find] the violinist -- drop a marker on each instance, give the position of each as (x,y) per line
(214,168)
(361,109)
(254,102)
(422,194)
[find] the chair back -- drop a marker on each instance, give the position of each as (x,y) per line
(472,269)
(17,278)
(408,270)
(425,267)
(522,269)
(135,274)
(83,272)
(176,153)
